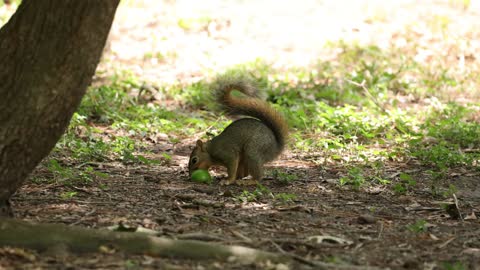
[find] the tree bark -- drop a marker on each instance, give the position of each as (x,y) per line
(49,51)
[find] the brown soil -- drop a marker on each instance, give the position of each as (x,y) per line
(372,225)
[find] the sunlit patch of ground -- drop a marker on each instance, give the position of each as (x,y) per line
(187,40)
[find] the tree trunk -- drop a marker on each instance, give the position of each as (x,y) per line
(49,51)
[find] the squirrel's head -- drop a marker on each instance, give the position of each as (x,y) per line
(199,158)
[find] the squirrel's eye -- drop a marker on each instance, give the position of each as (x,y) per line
(194,160)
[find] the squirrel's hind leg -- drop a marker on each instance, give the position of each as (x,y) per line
(232,168)
(254,167)
(242,170)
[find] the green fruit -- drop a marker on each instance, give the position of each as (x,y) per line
(201,176)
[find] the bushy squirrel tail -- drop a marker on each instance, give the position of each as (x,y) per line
(252,105)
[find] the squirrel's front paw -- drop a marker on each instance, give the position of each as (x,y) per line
(227,182)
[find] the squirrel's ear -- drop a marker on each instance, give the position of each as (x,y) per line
(200,144)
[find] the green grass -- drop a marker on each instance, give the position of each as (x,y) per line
(350,111)
(366,109)
(190,24)
(405,184)
(420,226)
(453,266)
(448,136)
(70,176)
(262,193)
(119,108)
(284,178)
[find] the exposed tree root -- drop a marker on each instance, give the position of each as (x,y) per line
(56,237)
(43,237)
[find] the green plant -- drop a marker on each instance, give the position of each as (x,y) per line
(69,175)
(284,178)
(285,197)
(124,147)
(453,266)
(59,171)
(259,192)
(91,172)
(418,227)
(406,183)
(68,195)
(448,133)
(378,172)
(452,189)
(166,158)
(355,178)
(189,24)
(131,264)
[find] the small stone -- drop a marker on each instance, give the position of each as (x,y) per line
(281,266)
(452,211)
(366,219)
(228,193)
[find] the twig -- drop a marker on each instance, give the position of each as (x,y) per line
(446,243)
(456,206)
(362,85)
(185,197)
(83,218)
(207,203)
(241,236)
(294,256)
(200,237)
(381,230)
(98,164)
(37,199)
(312,264)
(375,101)
(82,190)
(204,190)
(318,264)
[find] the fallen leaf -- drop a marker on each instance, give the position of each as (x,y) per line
(472,251)
(471,216)
(321,239)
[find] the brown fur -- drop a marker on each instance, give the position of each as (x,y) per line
(246,144)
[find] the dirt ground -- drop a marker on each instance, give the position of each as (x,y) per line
(372,227)
(325,222)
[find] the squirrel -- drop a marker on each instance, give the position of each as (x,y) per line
(247,143)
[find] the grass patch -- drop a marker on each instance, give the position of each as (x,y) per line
(114,122)
(449,139)
(366,109)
